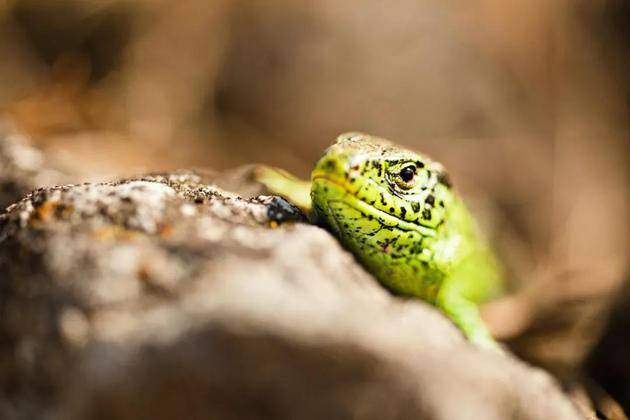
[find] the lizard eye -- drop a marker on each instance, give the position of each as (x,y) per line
(407,173)
(404,178)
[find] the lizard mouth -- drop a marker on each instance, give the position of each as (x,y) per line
(349,197)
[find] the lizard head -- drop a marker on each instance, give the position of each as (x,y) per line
(363,178)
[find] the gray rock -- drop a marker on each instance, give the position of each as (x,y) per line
(167,297)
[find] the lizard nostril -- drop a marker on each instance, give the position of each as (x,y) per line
(330,165)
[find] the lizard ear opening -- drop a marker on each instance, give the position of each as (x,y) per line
(445,179)
(442,174)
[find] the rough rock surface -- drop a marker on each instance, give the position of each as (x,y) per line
(166,297)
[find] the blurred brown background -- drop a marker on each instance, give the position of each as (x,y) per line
(525,101)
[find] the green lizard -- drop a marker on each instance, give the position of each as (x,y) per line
(396,211)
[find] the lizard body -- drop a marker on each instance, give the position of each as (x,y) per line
(396,211)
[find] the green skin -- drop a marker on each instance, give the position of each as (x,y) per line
(395,210)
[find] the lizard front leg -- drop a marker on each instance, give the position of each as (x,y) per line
(465,314)
(280,182)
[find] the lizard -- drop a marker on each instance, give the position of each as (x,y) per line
(398,213)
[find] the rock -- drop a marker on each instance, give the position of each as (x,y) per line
(164,296)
